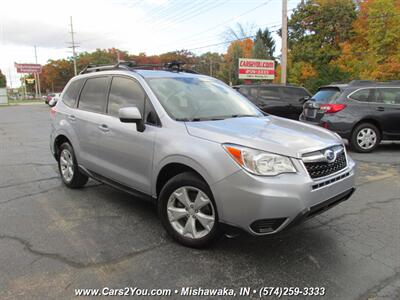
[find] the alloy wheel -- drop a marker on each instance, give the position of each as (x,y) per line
(191,212)
(66,165)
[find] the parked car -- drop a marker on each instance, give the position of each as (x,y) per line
(279,100)
(207,156)
(54,100)
(364,112)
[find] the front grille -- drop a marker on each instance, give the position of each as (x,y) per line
(322,168)
(266,225)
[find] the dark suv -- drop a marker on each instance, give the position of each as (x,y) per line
(279,100)
(364,112)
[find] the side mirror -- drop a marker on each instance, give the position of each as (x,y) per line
(131,115)
(304,99)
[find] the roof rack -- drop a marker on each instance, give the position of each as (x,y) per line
(173,66)
(362,82)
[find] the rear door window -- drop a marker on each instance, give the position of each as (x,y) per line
(94,95)
(72,93)
(387,95)
(363,95)
(270,93)
(326,95)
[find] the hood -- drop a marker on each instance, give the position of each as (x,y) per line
(270,133)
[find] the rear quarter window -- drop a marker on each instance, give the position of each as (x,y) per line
(326,95)
(72,93)
(295,93)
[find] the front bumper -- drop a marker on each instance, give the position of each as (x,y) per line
(266,205)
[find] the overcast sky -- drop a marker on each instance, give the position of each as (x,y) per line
(150,26)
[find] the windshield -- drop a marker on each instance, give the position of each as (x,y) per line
(327,95)
(196,99)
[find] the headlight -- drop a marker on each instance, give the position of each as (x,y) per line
(260,162)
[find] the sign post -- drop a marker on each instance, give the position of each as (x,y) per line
(34,69)
(258,69)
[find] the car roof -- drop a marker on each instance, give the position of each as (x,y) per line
(164,73)
(269,85)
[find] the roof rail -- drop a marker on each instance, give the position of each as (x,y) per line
(362,82)
(173,66)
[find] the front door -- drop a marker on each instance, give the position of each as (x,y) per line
(126,154)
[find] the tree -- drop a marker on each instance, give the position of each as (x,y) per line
(373,51)
(259,50)
(3,80)
(237,49)
(209,62)
(267,40)
(316,30)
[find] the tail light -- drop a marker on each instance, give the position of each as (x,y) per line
(332,108)
(53,112)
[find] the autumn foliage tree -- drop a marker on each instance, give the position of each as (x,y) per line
(373,52)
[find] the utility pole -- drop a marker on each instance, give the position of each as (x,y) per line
(211,67)
(37,78)
(73,45)
(284,42)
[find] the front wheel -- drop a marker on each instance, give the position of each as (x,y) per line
(188,212)
(365,138)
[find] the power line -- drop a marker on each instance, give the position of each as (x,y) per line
(226,21)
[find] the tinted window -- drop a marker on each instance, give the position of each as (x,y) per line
(94,94)
(326,95)
(361,95)
(249,92)
(125,92)
(294,93)
(387,95)
(271,93)
(71,94)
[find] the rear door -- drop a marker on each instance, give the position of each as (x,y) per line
(386,107)
(270,100)
(88,117)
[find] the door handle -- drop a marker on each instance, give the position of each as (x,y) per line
(104,128)
(380,108)
(72,117)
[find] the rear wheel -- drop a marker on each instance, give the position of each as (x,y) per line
(187,210)
(68,166)
(365,138)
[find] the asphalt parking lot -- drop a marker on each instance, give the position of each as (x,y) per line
(53,239)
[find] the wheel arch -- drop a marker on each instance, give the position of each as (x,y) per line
(368,120)
(174,166)
(58,141)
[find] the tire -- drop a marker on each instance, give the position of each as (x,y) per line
(371,135)
(196,225)
(67,164)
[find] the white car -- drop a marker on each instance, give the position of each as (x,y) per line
(54,100)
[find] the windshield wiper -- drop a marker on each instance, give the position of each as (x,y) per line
(241,116)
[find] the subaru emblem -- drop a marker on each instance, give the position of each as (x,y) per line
(330,155)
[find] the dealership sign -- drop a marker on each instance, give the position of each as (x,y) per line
(28,68)
(256,69)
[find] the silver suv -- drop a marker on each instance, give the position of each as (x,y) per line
(208,157)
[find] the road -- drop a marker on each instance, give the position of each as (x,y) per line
(54,240)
